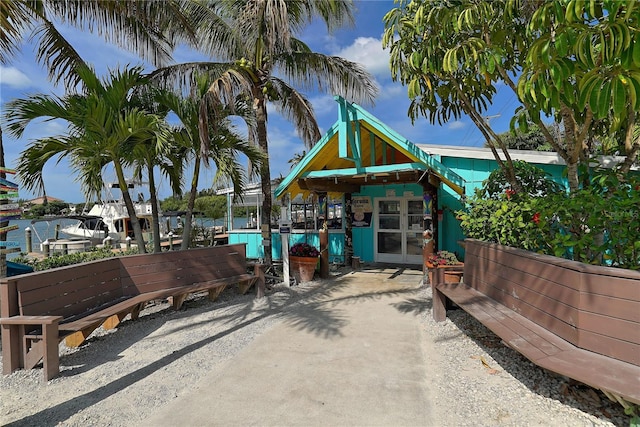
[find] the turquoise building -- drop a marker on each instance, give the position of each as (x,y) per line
(377,192)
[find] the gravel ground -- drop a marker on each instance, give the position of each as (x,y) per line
(119,378)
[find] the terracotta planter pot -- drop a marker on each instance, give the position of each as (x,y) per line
(449,276)
(303,268)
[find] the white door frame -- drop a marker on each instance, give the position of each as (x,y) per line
(406,235)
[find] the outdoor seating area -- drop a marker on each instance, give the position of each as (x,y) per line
(40,309)
(577,320)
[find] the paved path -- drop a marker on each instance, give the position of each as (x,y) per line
(349,355)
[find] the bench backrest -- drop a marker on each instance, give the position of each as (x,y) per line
(154,272)
(66,291)
(76,290)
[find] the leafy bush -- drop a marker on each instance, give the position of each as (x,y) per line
(534,181)
(70,259)
(597,225)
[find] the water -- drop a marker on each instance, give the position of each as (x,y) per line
(46,230)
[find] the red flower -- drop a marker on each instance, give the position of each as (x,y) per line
(509,192)
(536,217)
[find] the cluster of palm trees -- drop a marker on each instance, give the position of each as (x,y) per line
(122,119)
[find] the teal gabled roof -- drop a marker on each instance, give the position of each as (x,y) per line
(359,146)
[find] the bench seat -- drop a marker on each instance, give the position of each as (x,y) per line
(542,347)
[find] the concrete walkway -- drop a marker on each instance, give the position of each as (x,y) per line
(351,354)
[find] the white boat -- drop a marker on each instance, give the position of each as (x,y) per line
(110,218)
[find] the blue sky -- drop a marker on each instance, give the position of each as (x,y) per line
(360,44)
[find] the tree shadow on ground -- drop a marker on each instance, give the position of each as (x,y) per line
(313,310)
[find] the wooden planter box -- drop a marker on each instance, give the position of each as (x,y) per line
(595,308)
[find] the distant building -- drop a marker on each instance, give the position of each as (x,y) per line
(40,201)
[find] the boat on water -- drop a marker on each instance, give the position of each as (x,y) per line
(15,268)
(110,218)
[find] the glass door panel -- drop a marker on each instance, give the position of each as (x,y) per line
(389,235)
(398,236)
(413,232)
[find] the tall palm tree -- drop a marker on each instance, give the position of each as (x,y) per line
(264,61)
(103,127)
(223,146)
(131,25)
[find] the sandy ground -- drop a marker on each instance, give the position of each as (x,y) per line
(124,376)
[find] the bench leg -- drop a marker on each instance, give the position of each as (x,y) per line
(246,285)
(43,347)
(51,358)
(439,305)
(135,313)
(260,282)
(113,321)
(77,338)
(178,300)
(215,292)
(12,354)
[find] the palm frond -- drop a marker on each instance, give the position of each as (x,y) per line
(148,28)
(333,74)
(297,109)
(16,18)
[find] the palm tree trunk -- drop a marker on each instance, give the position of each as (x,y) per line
(3,236)
(265,173)
(137,230)
(193,192)
(155,216)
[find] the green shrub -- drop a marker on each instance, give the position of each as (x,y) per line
(70,259)
(597,225)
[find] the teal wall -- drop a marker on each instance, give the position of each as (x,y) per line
(474,171)
(253,239)
(363,236)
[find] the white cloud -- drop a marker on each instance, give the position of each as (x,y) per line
(14,78)
(456,125)
(368,52)
(393,91)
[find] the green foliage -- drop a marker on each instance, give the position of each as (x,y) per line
(532,140)
(597,225)
(51,208)
(586,54)
(212,206)
(534,182)
(70,259)
(173,204)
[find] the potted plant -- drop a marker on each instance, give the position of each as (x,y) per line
(444,259)
(303,259)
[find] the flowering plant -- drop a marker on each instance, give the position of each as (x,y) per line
(304,250)
(443,258)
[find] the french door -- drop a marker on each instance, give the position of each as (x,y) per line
(398,231)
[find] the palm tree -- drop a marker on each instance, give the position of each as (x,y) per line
(104,127)
(134,28)
(265,61)
(224,145)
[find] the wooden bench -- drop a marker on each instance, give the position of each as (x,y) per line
(547,314)
(38,310)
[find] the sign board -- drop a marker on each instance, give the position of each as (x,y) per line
(285,229)
(361,211)
(266,242)
(9,244)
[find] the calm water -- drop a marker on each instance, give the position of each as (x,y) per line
(47,230)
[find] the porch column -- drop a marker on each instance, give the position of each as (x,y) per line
(348,230)
(324,236)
